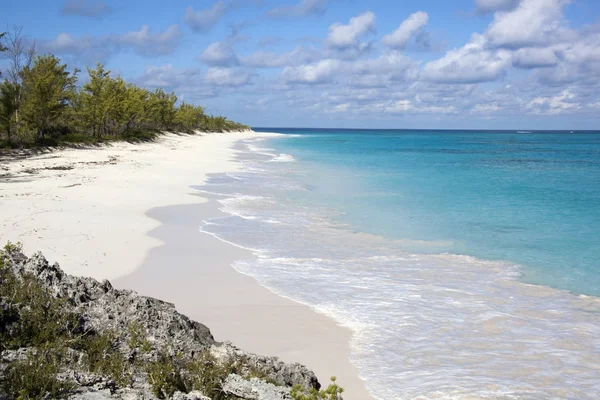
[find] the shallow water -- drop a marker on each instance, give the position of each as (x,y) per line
(422,244)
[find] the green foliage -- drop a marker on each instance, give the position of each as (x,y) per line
(206,374)
(9,95)
(333,392)
(35,377)
(42,318)
(138,339)
(47,90)
(165,377)
(43,106)
(103,358)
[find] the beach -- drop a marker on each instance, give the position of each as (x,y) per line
(126,212)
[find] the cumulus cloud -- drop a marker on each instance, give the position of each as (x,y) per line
(65,43)
(227,77)
(410,107)
(165,76)
(219,54)
(270,59)
(347,36)
(98,48)
(320,72)
(561,103)
(204,20)
(472,63)
(407,30)
(86,8)
(534,58)
(303,8)
(382,71)
(150,44)
(487,6)
(531,23)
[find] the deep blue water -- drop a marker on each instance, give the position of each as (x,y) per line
(424,245)
(532,199)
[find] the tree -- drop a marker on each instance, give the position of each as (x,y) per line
(20,55)
(163,105)
(8,107)
(2,47)
(94,100)
(188,117)
(47,90)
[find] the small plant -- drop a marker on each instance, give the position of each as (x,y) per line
(42,317)
(137,339)
(333,392)
(102,358)
(10,247)
(206,374)
(165,377)
(35,377)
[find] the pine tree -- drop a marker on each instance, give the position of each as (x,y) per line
(47,90)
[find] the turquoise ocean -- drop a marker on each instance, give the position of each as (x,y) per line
(466,263)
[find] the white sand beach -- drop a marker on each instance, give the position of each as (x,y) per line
(126,212)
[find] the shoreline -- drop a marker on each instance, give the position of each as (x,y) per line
(130,199)
(200,279)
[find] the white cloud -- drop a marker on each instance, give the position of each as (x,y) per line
(534,58)
(531,23)
(486,108)
(348,36)
(65,43)
(270,59)
(406,106)
(320,72)
(227,76)
(472,63)
(486,6)
(303,8)
(165,76)
(147,43)
(219,54)
(407,29)
(203,20)
(92,49)
(558,104)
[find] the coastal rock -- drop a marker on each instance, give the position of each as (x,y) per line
(254,389)
(145,328)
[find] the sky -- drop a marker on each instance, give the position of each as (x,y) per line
(423,64)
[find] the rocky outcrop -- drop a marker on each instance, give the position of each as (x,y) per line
(146,328)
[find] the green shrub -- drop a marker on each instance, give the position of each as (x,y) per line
(42,317)
(333,392)
(206,374)
(101,357)
(165,377)
(137,338)
(35,377)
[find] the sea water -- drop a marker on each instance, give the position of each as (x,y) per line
(467,264)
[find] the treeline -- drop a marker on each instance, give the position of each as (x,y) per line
(41,104)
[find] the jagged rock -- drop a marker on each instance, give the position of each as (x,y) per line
(101,308)
(254,389)
(193,395)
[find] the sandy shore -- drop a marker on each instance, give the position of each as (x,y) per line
(127,213)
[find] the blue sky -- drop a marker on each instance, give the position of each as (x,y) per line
(481,64)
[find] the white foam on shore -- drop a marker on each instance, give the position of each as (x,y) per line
(283,158)
(425,325)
